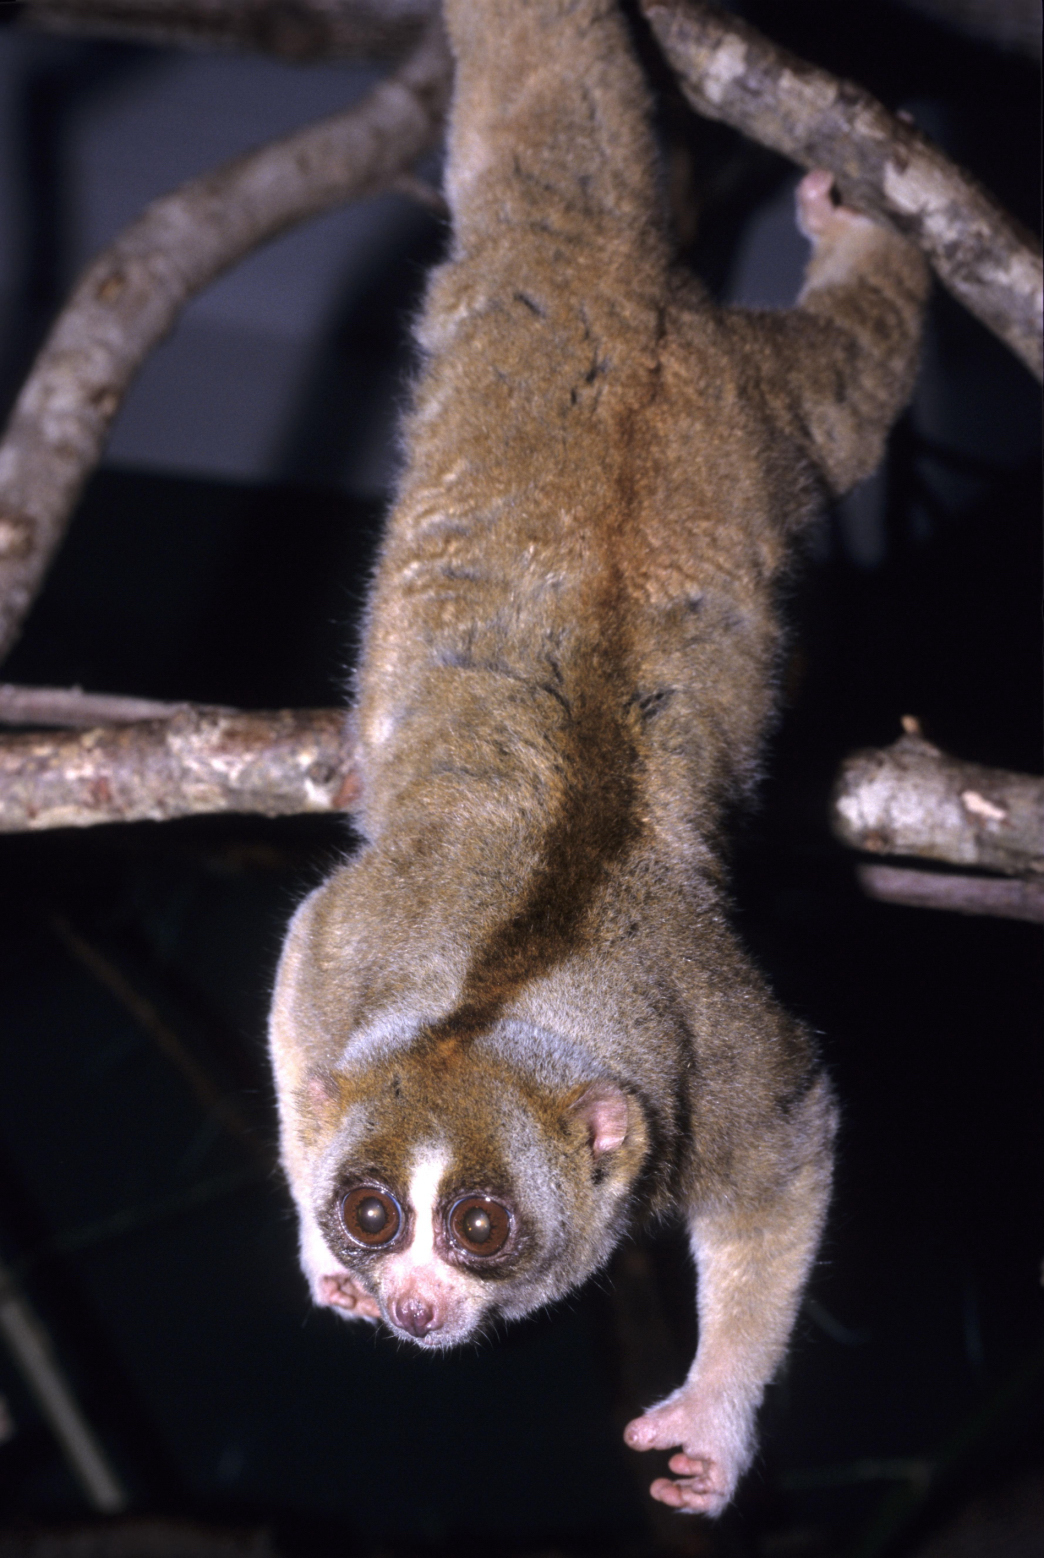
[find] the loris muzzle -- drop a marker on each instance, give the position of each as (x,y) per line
(519,1018)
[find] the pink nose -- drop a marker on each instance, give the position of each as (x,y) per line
(414,1315)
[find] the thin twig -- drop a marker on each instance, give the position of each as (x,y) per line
(196,761)
(132,294)
(1002,897)
(884,166)
(74,709)
(295,29)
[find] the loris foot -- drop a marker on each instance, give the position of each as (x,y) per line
(817,215)
(344,1293)
(716,1449)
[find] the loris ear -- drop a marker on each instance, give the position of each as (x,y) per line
(320,1096)
(603,1108)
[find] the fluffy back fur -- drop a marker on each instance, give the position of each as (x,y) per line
(527,968)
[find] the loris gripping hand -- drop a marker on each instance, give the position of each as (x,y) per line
(517,1018)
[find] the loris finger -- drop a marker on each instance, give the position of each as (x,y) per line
(698,1467)
(688,1497)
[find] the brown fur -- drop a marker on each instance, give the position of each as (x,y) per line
(570,659)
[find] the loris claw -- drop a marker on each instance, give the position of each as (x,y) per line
(518,1018)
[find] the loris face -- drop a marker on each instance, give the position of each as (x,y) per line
(451,1193)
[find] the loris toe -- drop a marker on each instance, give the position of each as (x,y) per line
(689,1496)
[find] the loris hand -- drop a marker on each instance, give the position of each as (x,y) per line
(344,1293)
(716,1440)
(818,216)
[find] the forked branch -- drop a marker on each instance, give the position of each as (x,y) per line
(884,166)
(132,294)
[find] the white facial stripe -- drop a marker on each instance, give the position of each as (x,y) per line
(428,1168)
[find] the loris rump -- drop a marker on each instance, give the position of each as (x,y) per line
(518,1019)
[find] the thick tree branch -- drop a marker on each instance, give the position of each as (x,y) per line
(295,29)
(195,761)
(882,165)
(911,799)
(1001,897)
(132,294)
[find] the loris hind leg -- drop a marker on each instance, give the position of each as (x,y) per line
(753,1257)
(839,367)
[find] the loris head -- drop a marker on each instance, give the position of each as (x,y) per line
(448,1175)
(448,1190)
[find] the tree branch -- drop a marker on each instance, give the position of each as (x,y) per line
(295,29)
(197,760)
(132,294)
(882,165)
(912,799)
(79,710)
(997,896)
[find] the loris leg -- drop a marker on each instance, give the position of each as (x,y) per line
(548,136)
(839,367)
(751,1267)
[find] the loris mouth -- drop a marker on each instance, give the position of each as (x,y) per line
(440,1339)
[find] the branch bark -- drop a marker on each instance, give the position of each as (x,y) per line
(912,799)
(1000,897)
(132,294)
(197,760)
(294,29)
(79,710)
(884,166)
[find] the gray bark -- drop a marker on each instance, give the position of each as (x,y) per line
(79,710)
(278,764)
(999,897)
(912,799)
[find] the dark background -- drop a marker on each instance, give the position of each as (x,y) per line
(221,555)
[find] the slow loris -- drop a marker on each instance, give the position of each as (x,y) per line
(517,1018)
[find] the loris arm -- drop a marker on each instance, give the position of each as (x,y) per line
(752,1262)
(837,369)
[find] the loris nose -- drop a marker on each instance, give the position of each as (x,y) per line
(414,1315)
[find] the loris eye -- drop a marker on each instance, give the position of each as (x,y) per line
(370,1215)
(479,1225)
